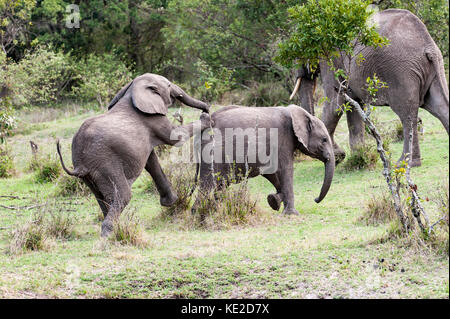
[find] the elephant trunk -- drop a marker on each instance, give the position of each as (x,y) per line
(329,172)
(188,100)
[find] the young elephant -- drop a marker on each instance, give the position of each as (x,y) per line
(240,143)
(110,151)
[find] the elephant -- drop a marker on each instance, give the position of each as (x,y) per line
(110,150)
(411,65)
(239,147)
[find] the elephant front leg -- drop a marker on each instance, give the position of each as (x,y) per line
(167,196)
(330,118)
(287,189)
(356,129)
(178,135)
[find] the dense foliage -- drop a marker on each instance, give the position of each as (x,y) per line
(209,46)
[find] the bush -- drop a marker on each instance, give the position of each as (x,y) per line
(183,181)
(60,223)
(6,162)
(52,220)
(71,186)
(42,76)
(379,210)
(265,94)
(127,230)
(47,168)
(365,156)
(230,206)
(100,78)
(30,236)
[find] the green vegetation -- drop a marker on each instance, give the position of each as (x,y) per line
(326,252)
(235,246)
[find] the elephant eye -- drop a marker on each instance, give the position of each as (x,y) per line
(154,89)
(324,140)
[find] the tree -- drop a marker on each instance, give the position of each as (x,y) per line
(331,30)
(234,35)
(14,22)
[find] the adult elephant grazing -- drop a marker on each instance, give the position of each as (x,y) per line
(110,151)
(413,68)
(244,135)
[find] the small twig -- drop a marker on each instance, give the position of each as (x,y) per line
(430,229)
(383,156)
(13,197)
(22,207)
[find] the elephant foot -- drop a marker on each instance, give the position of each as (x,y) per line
(290,211)
(168,200)
(274,201)
(107,228)
(416,162)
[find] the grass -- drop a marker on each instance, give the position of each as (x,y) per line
(326,252)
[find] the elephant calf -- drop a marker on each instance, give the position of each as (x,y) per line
(110,151)
(240,143)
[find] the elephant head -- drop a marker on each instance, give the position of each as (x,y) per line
(153,94)
(305,85)
(314,141)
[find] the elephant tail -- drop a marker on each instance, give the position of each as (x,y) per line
(436,59)
(71,173)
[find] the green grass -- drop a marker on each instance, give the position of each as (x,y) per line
(323,253)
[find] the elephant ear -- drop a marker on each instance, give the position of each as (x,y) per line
(147,97)
(119,95)
(301,123)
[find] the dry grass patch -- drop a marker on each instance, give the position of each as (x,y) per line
(379,209)
(50,221)
(222,209)
(128,230)
(71,186)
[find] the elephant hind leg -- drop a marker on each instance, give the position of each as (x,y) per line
(115,192)
(98,195)
(274,200)
(414,153)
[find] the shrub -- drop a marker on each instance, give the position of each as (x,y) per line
(265,94)
(29,236)
(365,156)
(183,181)
(230,206)
(46,169)
(60,223)
(71,186)
(6,162)
(100,78)
(379,210)
(51,220)
(127,230)
(42,76)
(210,84)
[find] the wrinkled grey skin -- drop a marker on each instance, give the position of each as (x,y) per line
(413,68)
(297,129)
(109,151)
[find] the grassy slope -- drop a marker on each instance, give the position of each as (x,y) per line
(323,253)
